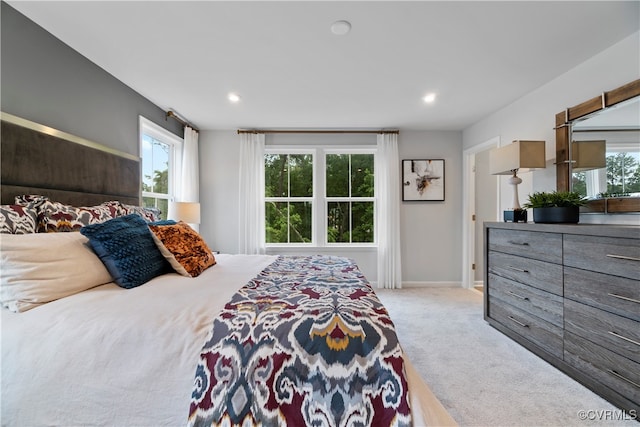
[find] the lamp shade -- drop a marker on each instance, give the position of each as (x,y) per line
(517,156)
(188,212)
(588,155)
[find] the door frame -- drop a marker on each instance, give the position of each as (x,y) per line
(469,208)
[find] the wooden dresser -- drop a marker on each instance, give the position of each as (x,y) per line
(571,295)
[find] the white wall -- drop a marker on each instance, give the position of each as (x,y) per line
(533,116)
(430,230)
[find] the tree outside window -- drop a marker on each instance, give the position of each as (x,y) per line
(289,198)
(350,198)
(343,212)
(160,153)
(623,174)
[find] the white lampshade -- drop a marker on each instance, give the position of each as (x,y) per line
(188,212)
(520,155)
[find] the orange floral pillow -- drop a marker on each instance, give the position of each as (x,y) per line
(183,247)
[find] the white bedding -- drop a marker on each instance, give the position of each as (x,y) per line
(116,357)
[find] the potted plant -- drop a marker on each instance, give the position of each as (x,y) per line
(555,206)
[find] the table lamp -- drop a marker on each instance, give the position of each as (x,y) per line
(188,212)
(508,160)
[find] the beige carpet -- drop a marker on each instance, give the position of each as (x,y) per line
(482,377)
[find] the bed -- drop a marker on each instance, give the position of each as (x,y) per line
(93,353)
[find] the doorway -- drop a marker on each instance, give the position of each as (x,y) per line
(481,203)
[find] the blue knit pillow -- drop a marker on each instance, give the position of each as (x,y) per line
(127,249)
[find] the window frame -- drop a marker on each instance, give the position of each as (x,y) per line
(175,143)
(328,199)
(319,235)
(279,199)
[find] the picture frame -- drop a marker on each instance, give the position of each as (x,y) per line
(423,180)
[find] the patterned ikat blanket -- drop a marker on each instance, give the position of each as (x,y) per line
(305,343)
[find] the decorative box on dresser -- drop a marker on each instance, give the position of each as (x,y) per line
(571,295)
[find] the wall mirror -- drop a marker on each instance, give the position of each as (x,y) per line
(598,150)
(605,152)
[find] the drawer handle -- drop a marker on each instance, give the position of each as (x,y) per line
(518,322)
(622,377)
(624,298)
(519,243)
(517,269)
(624,338)
(518,296)
(629,258)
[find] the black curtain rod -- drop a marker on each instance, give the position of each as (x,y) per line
(175,117)
(396,131)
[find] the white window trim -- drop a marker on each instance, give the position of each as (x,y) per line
(326,199)
(147,127)
(319,200)
(314,202)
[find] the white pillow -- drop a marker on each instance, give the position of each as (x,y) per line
(43,267)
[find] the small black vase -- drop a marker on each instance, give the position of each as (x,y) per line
(557,215)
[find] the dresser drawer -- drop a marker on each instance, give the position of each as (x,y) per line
(539,274)
(618,334)
(530,244)
(616,372)
(615,256)
(543,334)
(617,295)
(539,303)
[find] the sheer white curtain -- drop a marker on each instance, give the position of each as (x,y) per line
(251,206)
(189,187)
(387,182)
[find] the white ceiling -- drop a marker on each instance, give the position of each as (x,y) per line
(292,72)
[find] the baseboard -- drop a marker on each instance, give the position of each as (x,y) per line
(431,284)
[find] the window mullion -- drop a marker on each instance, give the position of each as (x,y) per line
(349,177)
(319,194)
(288,198)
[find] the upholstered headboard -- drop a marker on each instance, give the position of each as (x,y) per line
(36,159)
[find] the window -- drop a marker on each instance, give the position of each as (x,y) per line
(319,197)
(620,176)
(349,198)
(160,151)
(289,198)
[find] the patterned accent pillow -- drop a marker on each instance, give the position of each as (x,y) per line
(184,248)
(127,249)
(18,219)
(26,199)
(58,217)
(149,214)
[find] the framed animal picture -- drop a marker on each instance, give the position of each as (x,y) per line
(423,180)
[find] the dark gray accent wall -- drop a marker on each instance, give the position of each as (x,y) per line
(45,81)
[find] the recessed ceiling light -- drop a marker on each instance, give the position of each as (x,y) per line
(234,97)
(429,98)
(340,28)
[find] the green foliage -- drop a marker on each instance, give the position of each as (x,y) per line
(290,176)
(623,176)
(350,175)
(605,195)
(544,199)
(160,182)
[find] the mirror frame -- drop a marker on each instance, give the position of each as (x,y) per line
(563,122)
